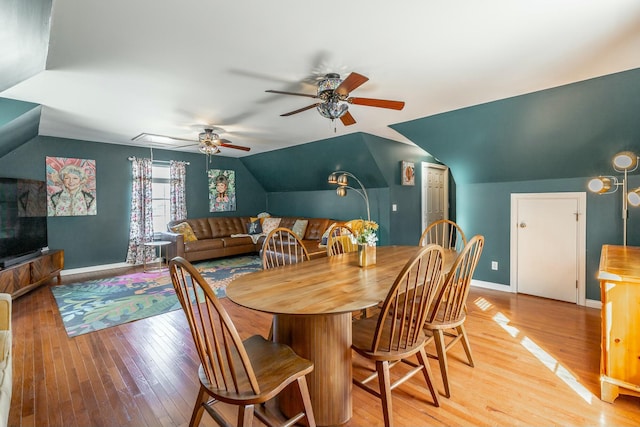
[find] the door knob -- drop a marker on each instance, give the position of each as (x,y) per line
(523,225)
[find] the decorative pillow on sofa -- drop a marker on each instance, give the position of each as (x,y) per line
(270,224)
(185,229)
(300,227)
(255,226)
(325,235)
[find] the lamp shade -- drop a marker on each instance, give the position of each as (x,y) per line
(600,185)
(343,180)
(634,197)
(333,178)
(625,160)
(341,191)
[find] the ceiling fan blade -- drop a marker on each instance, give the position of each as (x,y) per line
(381,103)
(237,147)
(353,81)
(291,93)
(300,110)
(347,119)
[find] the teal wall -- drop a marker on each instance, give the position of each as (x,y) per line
(486,209)
(102,239)
(298,178)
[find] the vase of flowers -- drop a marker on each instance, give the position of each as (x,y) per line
(364,234)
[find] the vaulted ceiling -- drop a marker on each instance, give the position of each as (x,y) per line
(468,71)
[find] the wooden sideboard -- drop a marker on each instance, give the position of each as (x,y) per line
(619,277)
(25,276)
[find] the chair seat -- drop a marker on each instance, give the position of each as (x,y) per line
(275,366)
(362,336)
(448,324)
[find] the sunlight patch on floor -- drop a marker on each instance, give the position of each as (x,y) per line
(547,360)
(482,304)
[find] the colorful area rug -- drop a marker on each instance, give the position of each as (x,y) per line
(99,304)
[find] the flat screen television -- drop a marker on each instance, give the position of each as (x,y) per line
(23,219)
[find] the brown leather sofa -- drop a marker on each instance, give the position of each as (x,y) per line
(214,237)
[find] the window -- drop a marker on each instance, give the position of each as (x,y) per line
(160,195)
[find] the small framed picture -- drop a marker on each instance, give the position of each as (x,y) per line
(408,173)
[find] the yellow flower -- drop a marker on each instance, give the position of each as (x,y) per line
(365,232)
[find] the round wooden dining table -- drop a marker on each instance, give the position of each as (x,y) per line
(312,303)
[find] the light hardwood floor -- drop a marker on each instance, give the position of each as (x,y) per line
(537,364)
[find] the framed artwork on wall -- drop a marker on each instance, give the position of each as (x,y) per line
(71,186)
(222,190)
(408,173)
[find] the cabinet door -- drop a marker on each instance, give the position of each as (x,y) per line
(41,268)
(13,279)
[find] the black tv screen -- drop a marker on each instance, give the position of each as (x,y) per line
(23,217)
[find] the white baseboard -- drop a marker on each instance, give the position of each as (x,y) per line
(490,285)
(94,268)
(591,303)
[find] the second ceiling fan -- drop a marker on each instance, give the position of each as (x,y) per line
(334,99)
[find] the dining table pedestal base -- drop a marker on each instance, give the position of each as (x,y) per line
(326,341)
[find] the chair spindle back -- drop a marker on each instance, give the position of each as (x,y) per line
(451,299)
(222,354)
(340,241)
(282,247)
(404,310)
(445,233)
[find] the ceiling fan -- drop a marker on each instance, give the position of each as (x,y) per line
(333,94)
(209,141)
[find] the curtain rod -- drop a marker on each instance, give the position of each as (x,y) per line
(160,161)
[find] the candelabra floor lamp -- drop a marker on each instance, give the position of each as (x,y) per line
(623,162)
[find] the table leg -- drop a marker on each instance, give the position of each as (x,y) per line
(326,341)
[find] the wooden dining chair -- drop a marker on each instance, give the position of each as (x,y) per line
(340,241)
(397,332)
(445,233)
(244,373)
(448,312)
(282,247)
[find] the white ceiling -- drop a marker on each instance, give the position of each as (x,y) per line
(118,68)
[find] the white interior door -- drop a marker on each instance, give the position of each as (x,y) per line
(549,245)
(435,189)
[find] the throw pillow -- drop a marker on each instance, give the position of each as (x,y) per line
(300,227)
(185,229)
(254,227)
(325,235)
(270,224)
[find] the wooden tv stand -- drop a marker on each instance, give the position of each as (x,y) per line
(20,278)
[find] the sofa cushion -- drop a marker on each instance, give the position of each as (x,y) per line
(224,226)
(237,241)
(201,228)
(185,229)
(203,245)
(300,227)
(316,227)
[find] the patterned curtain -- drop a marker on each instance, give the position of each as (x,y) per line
(178,198)
(141,221)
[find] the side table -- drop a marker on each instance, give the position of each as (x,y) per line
(160,265)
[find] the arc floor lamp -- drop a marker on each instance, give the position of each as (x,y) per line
(341,178)
(623,162)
